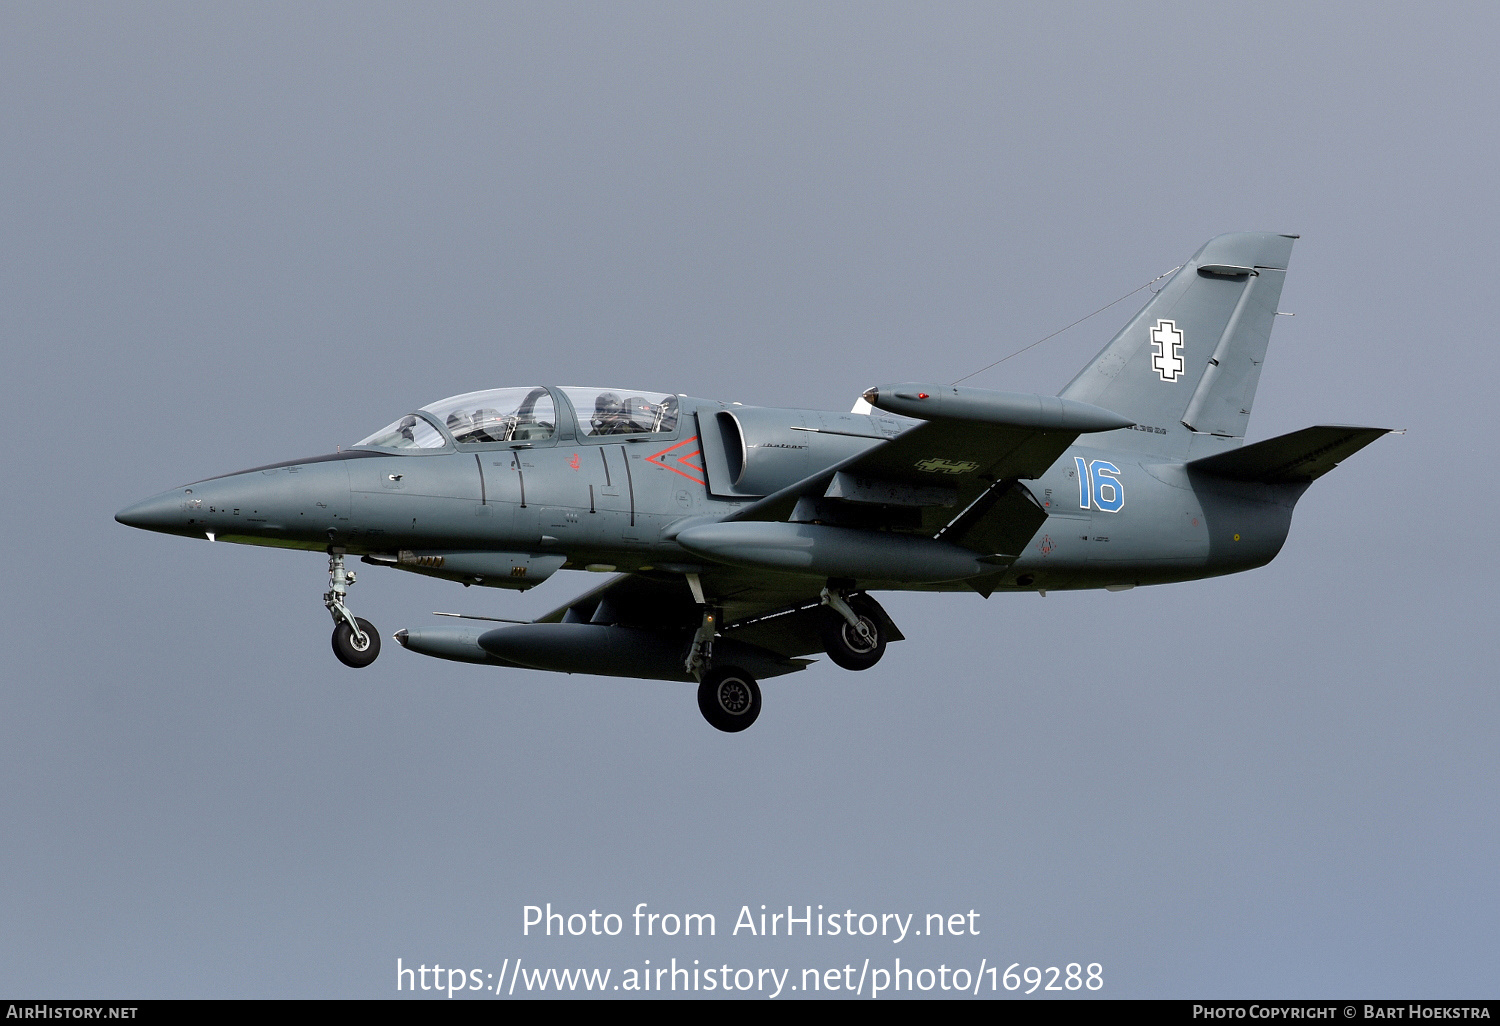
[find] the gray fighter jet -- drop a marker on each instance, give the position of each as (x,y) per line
(741,539)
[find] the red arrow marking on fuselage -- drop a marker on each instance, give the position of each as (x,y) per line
(692,472)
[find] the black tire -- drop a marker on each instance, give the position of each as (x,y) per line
(729,699)
(844,645)
(347,648)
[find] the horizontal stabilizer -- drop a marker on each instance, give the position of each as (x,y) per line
(1301,456)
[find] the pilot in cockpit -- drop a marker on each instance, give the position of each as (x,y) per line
(488,425)
(609,415)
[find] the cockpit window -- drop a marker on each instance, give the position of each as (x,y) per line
(410,432)
(498,415)
(616,411)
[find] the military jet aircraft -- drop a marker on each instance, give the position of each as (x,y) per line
(742,539)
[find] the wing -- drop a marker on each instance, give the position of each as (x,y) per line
(954,476)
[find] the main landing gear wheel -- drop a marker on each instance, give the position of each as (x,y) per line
(351,650)
(850,647)
(729,699)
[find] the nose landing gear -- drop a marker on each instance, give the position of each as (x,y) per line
(355,640)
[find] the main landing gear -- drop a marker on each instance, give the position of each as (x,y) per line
(355,640)
(854,633)
(728,697)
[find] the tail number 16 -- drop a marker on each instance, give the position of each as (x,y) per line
(1099,485)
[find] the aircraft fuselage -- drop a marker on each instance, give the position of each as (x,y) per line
(1115,517)
(746,538)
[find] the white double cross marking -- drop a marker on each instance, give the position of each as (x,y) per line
(1167,359)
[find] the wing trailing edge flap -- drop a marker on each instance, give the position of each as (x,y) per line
(999,523)
(1299,457)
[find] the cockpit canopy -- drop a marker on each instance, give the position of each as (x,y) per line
(610,411)
(527,415)
(498,415)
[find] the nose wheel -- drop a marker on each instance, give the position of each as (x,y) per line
(356,650)
(355,640)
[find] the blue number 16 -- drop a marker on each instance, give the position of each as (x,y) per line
(1099,485)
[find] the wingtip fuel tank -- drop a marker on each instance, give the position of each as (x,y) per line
(1001,409)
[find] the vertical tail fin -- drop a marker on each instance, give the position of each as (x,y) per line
(1189,362)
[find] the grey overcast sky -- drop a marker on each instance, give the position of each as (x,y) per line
(234,234)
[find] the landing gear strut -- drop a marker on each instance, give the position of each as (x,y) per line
(355,640)
(701,651)
(853,635)
(728,697)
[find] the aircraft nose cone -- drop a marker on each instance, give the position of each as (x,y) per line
(158,513)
